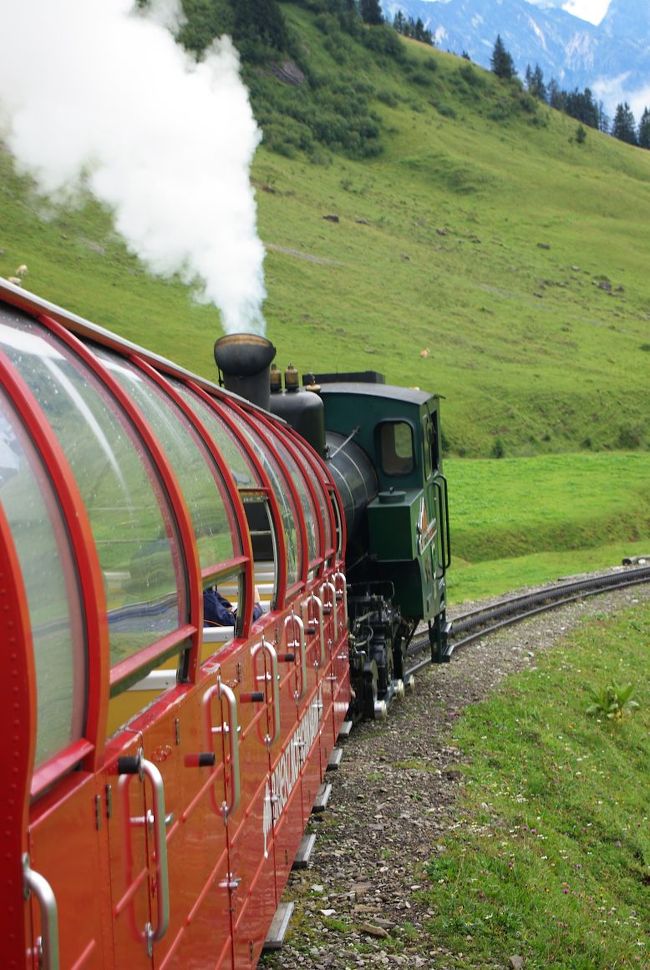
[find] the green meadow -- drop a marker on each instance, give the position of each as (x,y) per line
(551,859)
(485,235)
(522,521)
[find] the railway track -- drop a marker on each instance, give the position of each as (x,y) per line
(475,624)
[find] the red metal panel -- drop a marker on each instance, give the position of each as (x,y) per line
(252,877)
(177,740)
(336,639)
(18,729)
(310,715)
(285,788)
(295,776)
(67,845)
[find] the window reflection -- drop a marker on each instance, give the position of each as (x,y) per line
(133,530)
(231,450)
(308,508)
(50,580)
(193,467)
(282,495)
(321,498)
(396,447)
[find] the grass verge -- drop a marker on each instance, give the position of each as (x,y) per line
(552,859)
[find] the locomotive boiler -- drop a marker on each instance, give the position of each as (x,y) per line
(158,773)
(381,445)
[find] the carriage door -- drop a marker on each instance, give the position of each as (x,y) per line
(138,900)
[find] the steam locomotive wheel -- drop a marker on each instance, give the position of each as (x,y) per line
(370,699)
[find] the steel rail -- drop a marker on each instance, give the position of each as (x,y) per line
(488,619)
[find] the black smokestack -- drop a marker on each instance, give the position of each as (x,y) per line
(244,362)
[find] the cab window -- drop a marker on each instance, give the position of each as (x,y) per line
(396,447)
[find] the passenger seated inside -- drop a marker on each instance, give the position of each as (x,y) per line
(218,611)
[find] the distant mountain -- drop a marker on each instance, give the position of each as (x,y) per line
(613,58)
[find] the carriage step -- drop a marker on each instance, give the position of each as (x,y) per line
(334,759)
(322,798)
(305,849)
(346,727)
(278,927)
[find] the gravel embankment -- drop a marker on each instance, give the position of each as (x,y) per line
(393,800)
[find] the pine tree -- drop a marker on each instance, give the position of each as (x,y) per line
(582,107)
(603,118)
(399,22)
(536,85)
(501,62)
(624,126)
(644,129)
(371,12)
(556,97)
(261,20)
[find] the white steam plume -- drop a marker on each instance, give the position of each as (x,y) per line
(91,93)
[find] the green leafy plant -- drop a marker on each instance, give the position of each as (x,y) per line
(612,702)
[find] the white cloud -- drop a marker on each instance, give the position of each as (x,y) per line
(92,94)
(613,91)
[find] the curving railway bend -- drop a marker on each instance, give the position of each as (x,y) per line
(395,795)
(490,617)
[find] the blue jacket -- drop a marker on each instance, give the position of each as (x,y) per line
(218,611)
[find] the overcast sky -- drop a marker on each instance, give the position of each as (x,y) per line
(593,10)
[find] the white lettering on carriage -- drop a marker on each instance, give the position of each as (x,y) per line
(287,771)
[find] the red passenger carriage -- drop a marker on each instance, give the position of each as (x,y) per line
(157,779)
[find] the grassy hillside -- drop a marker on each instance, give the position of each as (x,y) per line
(483,232)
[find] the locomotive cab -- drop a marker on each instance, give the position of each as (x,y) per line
(383,446)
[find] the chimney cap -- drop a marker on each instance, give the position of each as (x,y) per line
(243,354)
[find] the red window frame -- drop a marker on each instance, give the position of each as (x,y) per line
(177,510)
(234,507)
(89,749)
(18,719)
(326,483)
(317,564)
(221,406)
(260,428)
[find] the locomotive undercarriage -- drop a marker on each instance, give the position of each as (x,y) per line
(379,638)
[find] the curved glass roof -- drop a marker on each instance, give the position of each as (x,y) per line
(156,474)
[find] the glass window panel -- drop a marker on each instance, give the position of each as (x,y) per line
(50,579)
(197,475)
(396,445)
(133,530)
(321,498)
(282,495)
(232,451)
(308,507)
